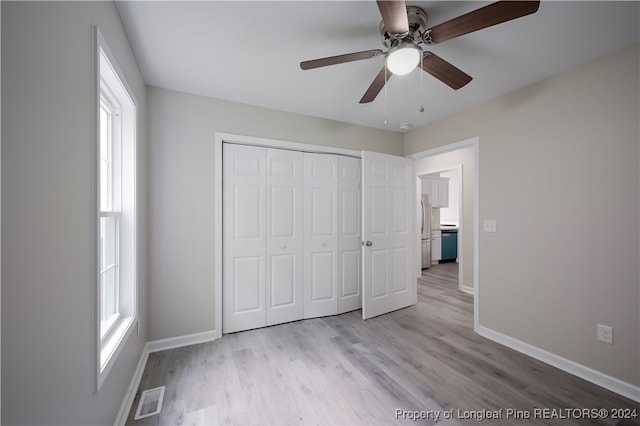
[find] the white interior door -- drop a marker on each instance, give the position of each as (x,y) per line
(349,234)
(320,251)
(285,236)
(243,237)
(388,202)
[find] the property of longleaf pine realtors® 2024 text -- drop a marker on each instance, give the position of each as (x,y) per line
(512,413)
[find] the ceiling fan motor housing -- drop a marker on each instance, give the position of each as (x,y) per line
(417,26)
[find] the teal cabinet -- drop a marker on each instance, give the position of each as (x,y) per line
(449,245)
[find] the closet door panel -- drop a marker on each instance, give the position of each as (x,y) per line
(282,220)
(247,199)
(248,282)
(282,281)
(322,267)
(350,280)
(323,205)
(243,236)
(321,231)
(285,236)
(349,230)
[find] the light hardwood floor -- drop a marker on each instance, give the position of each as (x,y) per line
(343,370)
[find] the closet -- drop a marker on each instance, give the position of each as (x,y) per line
(291,236)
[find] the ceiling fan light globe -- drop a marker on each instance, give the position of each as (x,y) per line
(403,60)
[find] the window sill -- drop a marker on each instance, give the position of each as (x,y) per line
(113,344)
(108,328)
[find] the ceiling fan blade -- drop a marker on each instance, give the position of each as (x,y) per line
(444,71)
(339,59)
(394,15)
(495,13)
(376,86)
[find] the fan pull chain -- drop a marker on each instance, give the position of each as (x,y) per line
(385,96)
(421,97)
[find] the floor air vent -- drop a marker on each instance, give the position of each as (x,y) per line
(150,403)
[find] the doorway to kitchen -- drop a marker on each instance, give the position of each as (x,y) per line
(462,158)
(441,194)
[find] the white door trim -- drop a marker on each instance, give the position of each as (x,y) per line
(275,143)
(473,142)
(221,138)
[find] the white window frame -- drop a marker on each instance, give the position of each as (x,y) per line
(112,91)
(109,102)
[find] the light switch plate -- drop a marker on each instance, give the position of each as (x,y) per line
(489,225)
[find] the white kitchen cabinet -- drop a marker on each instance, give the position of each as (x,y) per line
(438,190)
(426,189)
(435,193)
(436,246)
(443,192)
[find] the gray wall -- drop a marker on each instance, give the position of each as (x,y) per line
(182,129)
(47,307)
(559,171)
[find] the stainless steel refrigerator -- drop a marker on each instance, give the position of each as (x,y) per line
(426,231)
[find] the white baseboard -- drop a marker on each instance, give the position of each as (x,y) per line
(125,407)
(180,341)
(467,289)
(155,346)
(596,377)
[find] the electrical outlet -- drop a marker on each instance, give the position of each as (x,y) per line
(605,334)
(489,225)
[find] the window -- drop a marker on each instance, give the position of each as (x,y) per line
(109,215)
(116,275)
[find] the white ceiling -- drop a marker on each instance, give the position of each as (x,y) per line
(249,52)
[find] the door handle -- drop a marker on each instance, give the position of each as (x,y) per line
(367,243)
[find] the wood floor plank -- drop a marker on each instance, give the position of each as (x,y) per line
(343,370)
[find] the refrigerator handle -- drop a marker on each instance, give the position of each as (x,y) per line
(422,229)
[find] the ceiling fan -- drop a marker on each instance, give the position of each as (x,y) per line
(403,28)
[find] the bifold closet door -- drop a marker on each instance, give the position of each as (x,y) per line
(285,236)
(291,236)
(321,235)
(244,248)
(349,235)
(263,237)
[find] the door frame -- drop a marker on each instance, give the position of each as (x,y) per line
(474,143)
(221,138)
